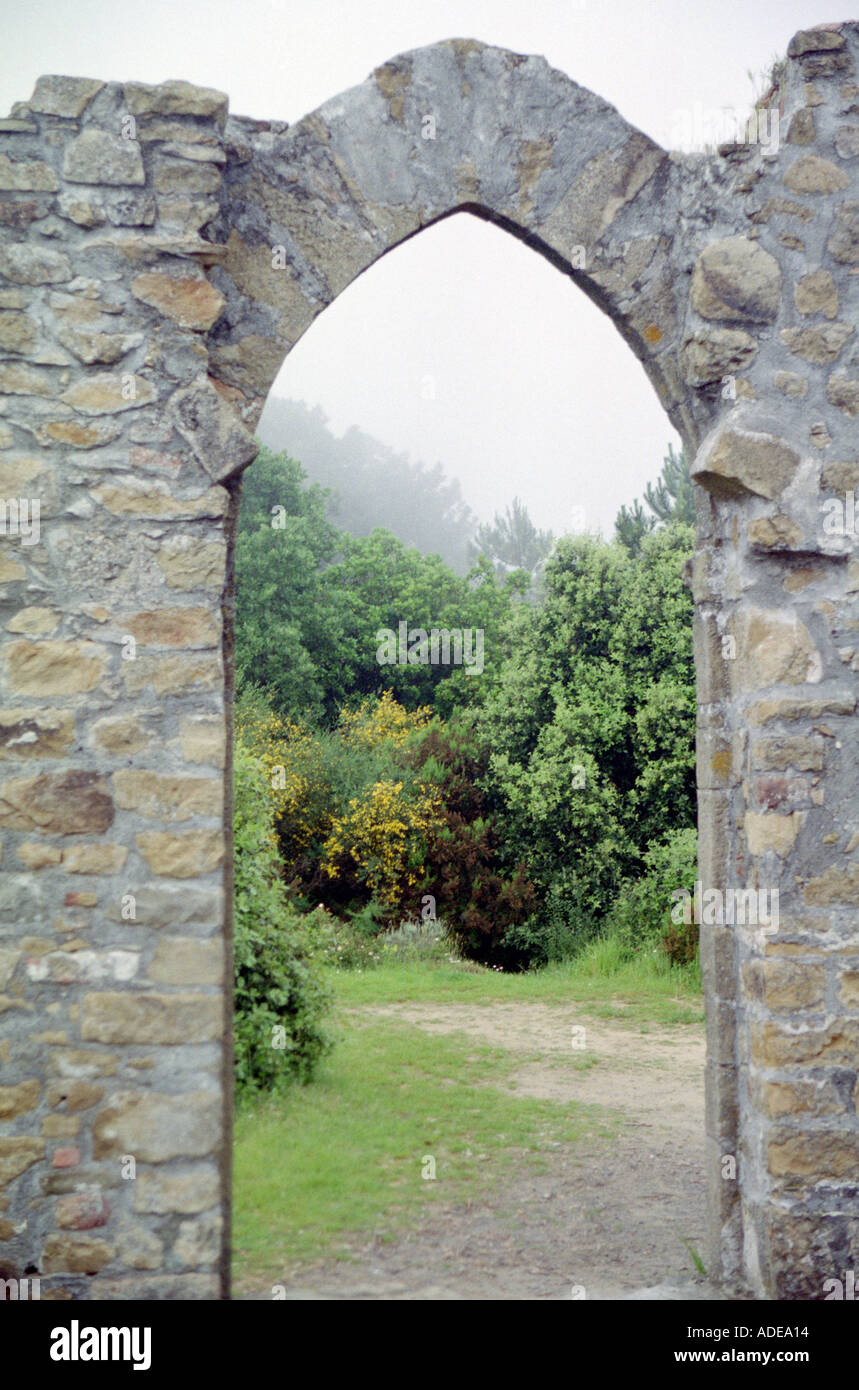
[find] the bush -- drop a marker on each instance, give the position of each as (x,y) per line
(480,902)
(641,916)
(279,998)
(416,940)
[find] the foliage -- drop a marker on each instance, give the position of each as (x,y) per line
(640,919)
(351,811)
(311,601)
(512,541)
(464,872)
(591,731)
(287,630)
(531,802)
(670,499)
(279,998)
(380,841)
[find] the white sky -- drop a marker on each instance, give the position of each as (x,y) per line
(462,346)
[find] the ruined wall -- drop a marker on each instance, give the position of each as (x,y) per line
(158,261)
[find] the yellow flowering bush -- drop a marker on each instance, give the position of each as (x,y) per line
(351,815)
(295,767)
(382,721)
(381,838)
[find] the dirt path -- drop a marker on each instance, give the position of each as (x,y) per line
(610,1218)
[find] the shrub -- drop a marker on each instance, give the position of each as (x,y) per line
(478,901)
(641,916)
(279,998)
(416,940)
(380,842)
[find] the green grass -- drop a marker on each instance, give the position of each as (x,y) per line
(645,990)
(343,1156)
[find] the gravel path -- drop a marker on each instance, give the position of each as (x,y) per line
(604,1220)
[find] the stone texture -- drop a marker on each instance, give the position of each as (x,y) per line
(174,627)
(58,803)
(185,1193)
(184,855)
(190,564)
(27,732)
(154,501)
(121,734)
(775,533)
(156,1128)
(771,832)
(843,244)
(82,1211)
(816,293)
(167,798)
(736,279)
(187,961)
(153,1018)
(176,674)
(91,347)
(820,343)
(54,667)
(843,392)
(191,301)
(108,393)
(76,1254)
(811,174)
(27,175)
(17,1100)
(139,1248)
(175,99)
(100,858)
(719,352)
(743,462)
(217,437)
(835,885)
(198,1243)
(203,739)
(171,905)
(18,1153)
(63,96)
(34,265)
(773,648)
(98,156)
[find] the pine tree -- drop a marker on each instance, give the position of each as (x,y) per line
(512,541)
(671,498)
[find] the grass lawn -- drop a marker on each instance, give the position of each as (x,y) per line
(639,992)
(344,1155)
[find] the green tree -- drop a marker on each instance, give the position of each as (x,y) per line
(671,498)
(512,541)
(288,630)
(591,724)
(312,601)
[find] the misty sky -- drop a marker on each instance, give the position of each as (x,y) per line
(462,346)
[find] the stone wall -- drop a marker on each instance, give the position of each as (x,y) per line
(158,261)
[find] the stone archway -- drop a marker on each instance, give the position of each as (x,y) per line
(158,262)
